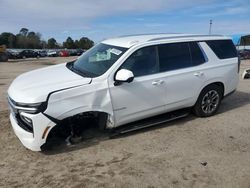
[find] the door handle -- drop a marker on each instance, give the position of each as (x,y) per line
(198,74)
(157,82)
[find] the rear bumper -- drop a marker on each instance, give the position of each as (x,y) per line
(41,127)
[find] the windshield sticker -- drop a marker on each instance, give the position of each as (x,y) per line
(115,51)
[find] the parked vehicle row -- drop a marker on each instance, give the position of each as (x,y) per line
(28,53)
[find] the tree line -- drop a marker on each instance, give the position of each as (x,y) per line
(26,39)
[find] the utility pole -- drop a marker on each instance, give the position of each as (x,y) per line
(210,27)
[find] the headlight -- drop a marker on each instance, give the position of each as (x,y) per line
(32,108)
(26,120)
(28,108)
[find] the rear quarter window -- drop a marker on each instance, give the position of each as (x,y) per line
(223,49)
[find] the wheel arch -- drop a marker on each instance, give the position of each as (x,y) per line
(196,107)
(217,83)
(95,112)
(104,121)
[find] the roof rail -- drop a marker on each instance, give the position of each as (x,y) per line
(183,36)
(145,34)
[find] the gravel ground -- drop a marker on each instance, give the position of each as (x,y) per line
(191,152)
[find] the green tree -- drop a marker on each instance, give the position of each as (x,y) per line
(22,38)
(76,44)
(85,43)
(69,43)
(9,39)
(23,31)
(43,44)
(33,40)
(30,39)
(21,41)
(52,43)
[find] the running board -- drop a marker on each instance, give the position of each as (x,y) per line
(149,122)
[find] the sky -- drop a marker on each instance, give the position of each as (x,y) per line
(101,19)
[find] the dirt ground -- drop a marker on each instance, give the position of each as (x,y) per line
(191,152)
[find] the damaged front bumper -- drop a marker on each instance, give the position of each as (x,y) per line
(33,140)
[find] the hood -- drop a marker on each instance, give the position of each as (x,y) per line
(34,86)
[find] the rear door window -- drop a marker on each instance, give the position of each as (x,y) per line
(174,56)
(223,49)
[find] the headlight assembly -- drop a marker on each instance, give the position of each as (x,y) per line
(28,108)
(26,120)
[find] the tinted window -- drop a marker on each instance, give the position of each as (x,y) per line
(196,54)
(174,56)
(223,48)
(142,62)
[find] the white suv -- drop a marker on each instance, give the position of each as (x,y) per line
(123,80)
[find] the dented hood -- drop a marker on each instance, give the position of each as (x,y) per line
(35,86)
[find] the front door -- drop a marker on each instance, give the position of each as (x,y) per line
(144,96)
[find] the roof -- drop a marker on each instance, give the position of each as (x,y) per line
(131,40)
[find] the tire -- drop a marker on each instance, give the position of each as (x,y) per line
(208,101)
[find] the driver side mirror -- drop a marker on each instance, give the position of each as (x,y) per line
(123,75)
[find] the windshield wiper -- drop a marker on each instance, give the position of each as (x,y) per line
(70,66)
(83,73)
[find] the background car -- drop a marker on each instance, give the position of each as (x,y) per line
(28,54)
(79,52)
(72,52)
(12,54)
(43,53)
(52,53)
(244,54)
(75,52)
(63,53)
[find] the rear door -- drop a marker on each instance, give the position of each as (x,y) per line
(182,64)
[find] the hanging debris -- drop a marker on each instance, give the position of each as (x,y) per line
(246,74)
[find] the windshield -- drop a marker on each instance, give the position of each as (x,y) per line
(97,60)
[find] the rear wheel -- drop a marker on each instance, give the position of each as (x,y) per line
(209,101)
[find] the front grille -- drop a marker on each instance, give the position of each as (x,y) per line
(16,114)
